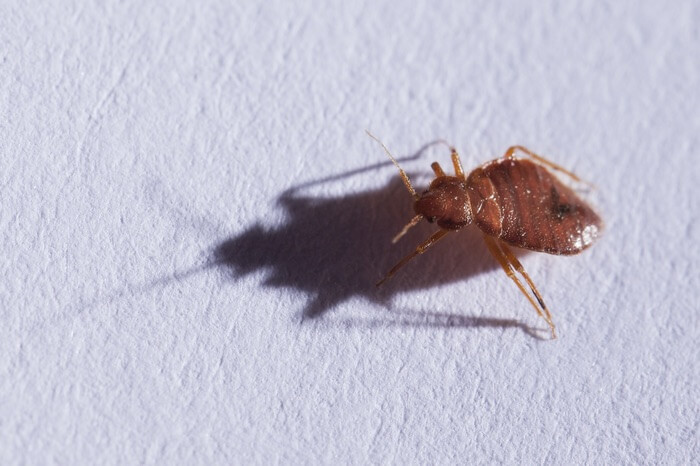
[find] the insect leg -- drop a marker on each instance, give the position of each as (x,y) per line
(521,270)
(414,221)
(508,267)
(511,153)
(434,238)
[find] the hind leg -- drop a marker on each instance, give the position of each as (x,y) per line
(510,153)
(510,265)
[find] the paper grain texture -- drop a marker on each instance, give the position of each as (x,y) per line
(192,221)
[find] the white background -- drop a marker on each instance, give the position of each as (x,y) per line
(193,219)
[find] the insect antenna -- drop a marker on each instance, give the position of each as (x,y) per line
(402,173)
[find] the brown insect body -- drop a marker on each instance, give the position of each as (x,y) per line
(514,202)
(446,202)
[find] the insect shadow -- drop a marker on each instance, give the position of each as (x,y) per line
(336,248)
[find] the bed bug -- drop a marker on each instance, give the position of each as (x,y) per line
(514,202)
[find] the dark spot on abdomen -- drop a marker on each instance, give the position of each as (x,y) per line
(560,210)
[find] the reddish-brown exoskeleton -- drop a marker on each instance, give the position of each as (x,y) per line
(514,202)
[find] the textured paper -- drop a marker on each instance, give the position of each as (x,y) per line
(193,221)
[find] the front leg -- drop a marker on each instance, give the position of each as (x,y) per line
(434,238)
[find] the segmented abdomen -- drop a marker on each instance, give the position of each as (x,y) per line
(523,204)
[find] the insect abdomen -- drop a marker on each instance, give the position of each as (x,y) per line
(523,204)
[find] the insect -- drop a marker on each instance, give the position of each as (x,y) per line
(514,202)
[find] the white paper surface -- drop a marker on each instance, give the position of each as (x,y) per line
(193,221)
